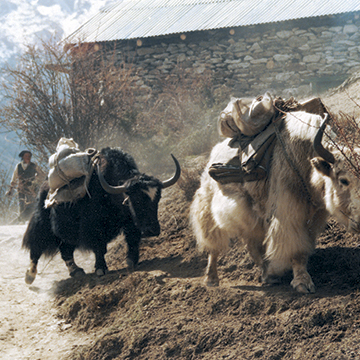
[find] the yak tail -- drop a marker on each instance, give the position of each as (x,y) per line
(40,241)
(38,237)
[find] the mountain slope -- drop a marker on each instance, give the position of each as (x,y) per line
(26,22)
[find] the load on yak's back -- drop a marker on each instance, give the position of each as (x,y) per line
(246,116)
(251,125)
(66,164)
(273,184)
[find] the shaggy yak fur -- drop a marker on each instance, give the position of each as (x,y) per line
(279,217)
(98,218)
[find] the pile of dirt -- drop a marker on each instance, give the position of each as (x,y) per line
(163,310)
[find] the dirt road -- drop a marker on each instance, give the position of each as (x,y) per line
(29,328)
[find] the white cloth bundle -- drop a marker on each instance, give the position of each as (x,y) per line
(246,116)
(67,164)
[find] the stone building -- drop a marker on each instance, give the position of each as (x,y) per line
(289,48)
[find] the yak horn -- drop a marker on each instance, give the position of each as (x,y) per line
(319,148)
(121,189)
(107,187)
(175,178)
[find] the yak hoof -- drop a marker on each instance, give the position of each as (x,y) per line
(130,265)
(78,272)
(29,277)
(101,272)
(211,282)
(304,288)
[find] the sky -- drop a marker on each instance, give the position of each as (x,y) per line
(24,21)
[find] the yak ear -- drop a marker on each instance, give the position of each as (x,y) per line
(322,166)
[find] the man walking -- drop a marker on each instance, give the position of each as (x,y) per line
(25,178)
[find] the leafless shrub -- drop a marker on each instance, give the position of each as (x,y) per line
(347,130)
(54,93)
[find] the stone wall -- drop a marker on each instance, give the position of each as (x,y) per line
(299,58)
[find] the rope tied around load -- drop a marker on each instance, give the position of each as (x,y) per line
(252,160)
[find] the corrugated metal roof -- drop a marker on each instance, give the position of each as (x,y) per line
(133,19)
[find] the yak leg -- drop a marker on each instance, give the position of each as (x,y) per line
(100,264)
(39,239)
(211,275)
(302,281)
(67,254)
(35,254)
(32,271)
(268,278)
(133,238)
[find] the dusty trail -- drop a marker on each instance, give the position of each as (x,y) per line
(29,328)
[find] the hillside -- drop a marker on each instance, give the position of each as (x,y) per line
(163,310)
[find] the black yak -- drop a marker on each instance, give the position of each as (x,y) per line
(119,199)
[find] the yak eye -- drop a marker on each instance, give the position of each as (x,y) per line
(344,182)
